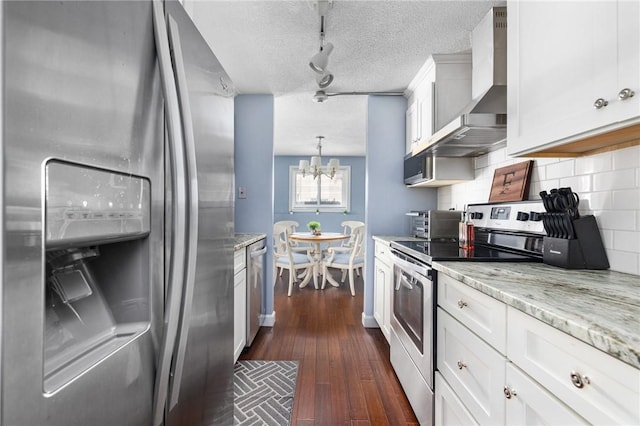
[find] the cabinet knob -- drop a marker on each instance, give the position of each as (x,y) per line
(461,365)
(509,393)
(626,93)
(578,380)
(600,103)
(462,304)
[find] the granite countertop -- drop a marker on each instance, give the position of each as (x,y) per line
(601,308)
(387,239)
(244,240)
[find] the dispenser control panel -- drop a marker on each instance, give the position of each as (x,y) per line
(86,205)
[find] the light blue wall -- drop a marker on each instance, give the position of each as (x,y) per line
(328,221)
(254,171)
(387,198)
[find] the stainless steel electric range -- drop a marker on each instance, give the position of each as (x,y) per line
(504,232)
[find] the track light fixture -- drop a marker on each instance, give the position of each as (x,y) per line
(320,60)
(324,79)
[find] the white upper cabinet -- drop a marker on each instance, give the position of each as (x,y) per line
(440,90)
(568,67)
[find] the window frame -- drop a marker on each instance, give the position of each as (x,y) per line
(294,171)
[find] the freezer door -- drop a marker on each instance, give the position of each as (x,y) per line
(83,207)
(201,363)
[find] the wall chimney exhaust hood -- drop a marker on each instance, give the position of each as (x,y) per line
(481,126)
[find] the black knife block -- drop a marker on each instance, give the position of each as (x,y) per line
(586,251)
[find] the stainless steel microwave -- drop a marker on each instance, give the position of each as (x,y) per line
(415,168)
(425,169)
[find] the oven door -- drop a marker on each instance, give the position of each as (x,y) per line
(412,320)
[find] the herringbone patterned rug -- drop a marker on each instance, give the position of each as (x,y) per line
(263,392)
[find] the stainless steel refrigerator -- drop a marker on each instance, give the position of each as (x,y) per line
(117,217)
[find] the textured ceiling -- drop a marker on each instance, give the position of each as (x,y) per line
(265,47)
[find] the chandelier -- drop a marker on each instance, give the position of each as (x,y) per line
(316,168)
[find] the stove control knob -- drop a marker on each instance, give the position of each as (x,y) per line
(476,215)
(535,216)
(522,216)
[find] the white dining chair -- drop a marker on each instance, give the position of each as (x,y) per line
(285,256)
(347,229)
(345,245)
(347,261)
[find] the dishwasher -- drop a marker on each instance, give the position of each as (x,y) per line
(256,262)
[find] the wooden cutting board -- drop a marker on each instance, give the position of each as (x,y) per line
(511,183)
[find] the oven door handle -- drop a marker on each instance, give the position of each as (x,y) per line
(411,267)
(404,281)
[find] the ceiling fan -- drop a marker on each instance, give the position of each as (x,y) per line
(321,96)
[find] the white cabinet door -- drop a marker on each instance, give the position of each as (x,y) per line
(528,403)
(450,411)
(628,60)
(474,370)
(239,313)
(597,386)
(425,95)
(382,289)
(412,125)
(563,57)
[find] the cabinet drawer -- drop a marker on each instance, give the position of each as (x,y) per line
(483,314)
(606,390)
(383,252)
(239,260)
(474,370)
(530,404)
(449,409)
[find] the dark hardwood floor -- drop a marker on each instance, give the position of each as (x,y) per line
(345,376)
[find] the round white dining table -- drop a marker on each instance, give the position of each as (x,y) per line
(315,252)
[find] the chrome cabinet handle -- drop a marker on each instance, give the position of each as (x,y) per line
(600,103)
(461,365)
(578,380)
(462,304)
(626,93)
(509,393)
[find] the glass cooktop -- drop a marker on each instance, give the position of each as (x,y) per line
(427,251)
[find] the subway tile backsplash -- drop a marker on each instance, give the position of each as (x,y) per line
(608,185)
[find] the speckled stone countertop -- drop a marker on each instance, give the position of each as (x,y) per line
(243,240)
(601,308)
(387,239)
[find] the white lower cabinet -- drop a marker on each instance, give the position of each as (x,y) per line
(600,388)
(528,403)
(450,410)
(543,376)
(239,303)
(474,370)
(383,282)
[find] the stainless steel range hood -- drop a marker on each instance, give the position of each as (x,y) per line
(481,126)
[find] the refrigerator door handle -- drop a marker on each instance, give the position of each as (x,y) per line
(179,216)
(193,202)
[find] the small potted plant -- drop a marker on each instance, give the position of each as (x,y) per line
(314,227)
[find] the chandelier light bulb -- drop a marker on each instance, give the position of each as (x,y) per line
(315,167)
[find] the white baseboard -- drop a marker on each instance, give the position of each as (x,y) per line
(369,321)
(268,320)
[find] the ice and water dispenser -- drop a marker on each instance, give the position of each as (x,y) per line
(97,279)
